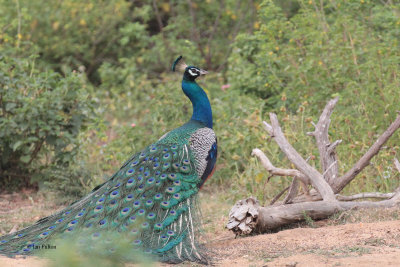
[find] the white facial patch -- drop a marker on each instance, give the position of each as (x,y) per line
(193,73)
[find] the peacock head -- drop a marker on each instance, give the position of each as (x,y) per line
(190,73)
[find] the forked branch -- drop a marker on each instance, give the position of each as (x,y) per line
(315,177)
(328,156)
(278,171)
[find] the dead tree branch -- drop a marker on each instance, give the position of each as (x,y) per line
(341,182)
(315,177)
(247,215)
(293,190)
(278,171)
(275,199)
(397,164)
(328,156)
(365,195)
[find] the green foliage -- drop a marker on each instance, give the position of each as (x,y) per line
(339,49)
(83,35)
(76,34)
(41,114)
(298,61)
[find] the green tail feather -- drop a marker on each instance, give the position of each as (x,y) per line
(150,202)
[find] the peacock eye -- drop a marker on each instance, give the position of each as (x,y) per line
(194,72)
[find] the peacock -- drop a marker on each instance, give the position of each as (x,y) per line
(151,201)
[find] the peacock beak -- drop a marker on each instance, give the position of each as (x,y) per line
(203,72)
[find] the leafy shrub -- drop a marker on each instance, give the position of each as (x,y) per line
(41,115)
(71,34)
(345,48)
(76,34)
(298,62)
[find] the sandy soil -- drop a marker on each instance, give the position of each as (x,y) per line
(353,244)
(357,244)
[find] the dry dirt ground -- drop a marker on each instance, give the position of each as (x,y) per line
(357,238)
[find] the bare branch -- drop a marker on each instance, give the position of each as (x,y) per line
(278,171)
(312,195)
(365,195)
(315,177)
(305,188)
(397,164)
(328,157)
(313,124)
(394,200)
(341,182)
(278,196)
(330,167)
(331,147)
(268,128)
(293,189)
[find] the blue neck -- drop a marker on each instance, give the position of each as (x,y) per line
(201,105)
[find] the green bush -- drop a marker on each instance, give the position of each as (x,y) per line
(345,48)
(75,34)
(298,62)
(41,116)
